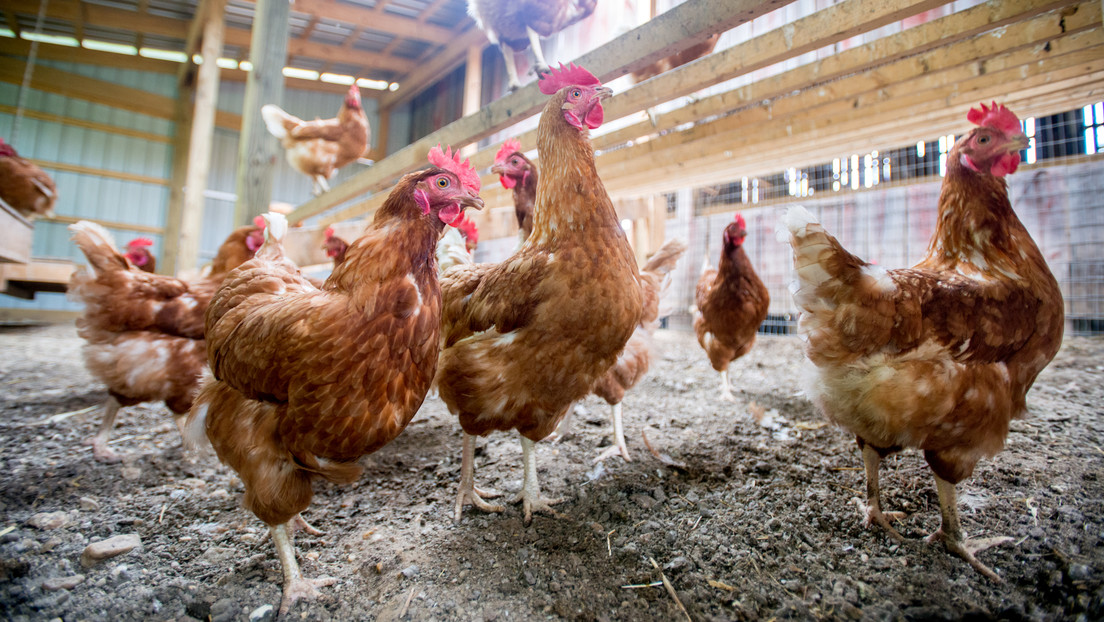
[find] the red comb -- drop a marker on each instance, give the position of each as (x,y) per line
(510,147)
(259,221)
(140,242)
(740,221)
(995,116)
(573,74)
(329,232)
(451,163)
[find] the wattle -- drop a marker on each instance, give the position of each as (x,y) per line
(595,116)
(507,182)
(450,213)
(1006,165)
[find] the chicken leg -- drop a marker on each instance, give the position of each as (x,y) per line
(296,587)
(618,446)
(726,388)
(950,532)
(512,81)
(872,509)
(530,496)
(100,450)
(538,53)
(468,491)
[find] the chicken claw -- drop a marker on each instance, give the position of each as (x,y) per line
(618,447)
(530,496)
(726,388)
(954,539)
(296,587)
(468,491)
(100,450)
(300,523)
(873,515)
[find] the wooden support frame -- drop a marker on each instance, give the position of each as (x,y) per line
(257,150)
(202,131)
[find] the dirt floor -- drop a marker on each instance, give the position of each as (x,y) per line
(759,522)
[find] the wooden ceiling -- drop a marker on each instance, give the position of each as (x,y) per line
(385,40)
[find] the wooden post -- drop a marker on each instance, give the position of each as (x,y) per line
(199,148)
(473,89)
(258,149)
(382,132)
(182,120)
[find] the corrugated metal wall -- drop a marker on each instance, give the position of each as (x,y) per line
(140,202)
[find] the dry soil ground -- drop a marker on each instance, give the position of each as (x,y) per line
(757,523)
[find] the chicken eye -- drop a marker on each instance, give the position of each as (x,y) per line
(577,93)
(442,182)
(982,140)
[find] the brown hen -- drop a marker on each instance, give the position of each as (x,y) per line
(939,356)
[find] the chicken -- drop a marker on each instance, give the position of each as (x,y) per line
(731,304)
(335,247)
(23,186)
(514,25)
(634,360)
(518,173)
(304,381)
(143,332)
(940,356)
(529,336)
(138,254)
(318,148)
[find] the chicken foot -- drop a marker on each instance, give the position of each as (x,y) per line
(296,587)
(100,450)
(950,532)
(530,496)
(299,523)
(872,509)
(468,491)
(618,446)
(320,185)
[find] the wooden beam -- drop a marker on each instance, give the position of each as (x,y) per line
(445,60)
(378,20)
(88,125)
(257,149)
(673,31)
(51,51)
(134,21)
(181,141)
(111,224)
(200,143)
(100,172)
(382,133)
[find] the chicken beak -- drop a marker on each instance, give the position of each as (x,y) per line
(1019,143)
(468,200)
(498,169)
(603,92)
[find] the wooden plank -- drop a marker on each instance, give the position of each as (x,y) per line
(100,172)
(381,133)
(202,131)
(24,280)
(111,224)
(257,150)
(89,125)
(672,31)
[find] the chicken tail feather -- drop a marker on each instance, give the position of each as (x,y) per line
(274,119)
(194,427)
(98,246)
